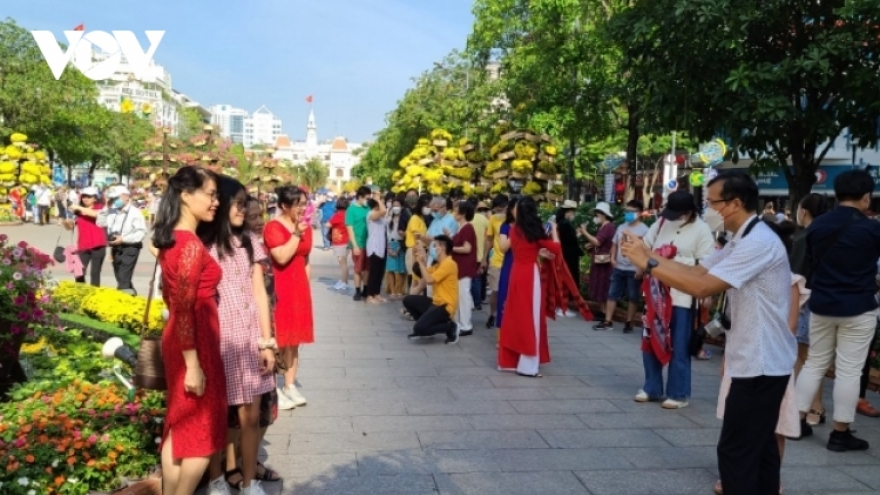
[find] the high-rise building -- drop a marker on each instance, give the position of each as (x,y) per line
(262,127)
(230,120)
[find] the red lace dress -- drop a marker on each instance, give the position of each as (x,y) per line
(189,287)
(294,323)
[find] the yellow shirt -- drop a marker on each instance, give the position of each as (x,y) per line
(495,223)
(416,224)
(445,275)
(481,225)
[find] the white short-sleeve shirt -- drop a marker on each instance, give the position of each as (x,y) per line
(756,267)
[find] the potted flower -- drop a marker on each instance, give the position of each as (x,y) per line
(23,300)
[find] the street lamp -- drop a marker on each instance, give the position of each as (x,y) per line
(165,158)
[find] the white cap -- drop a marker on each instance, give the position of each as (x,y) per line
(117,191)
(89,191)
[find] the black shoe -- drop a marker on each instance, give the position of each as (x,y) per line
(806,430)
(465,333)
(358,296)
(841,441)
(599,316)
(628,327)
(452,333)
(605,325)
(478,308)
(490,323)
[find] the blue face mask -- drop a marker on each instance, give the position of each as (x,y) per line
(118,203)
(436,214)
(630,216)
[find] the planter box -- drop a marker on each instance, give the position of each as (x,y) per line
(441,143)
(501,174)
(548,158)
(426,161)
(554,197)
(542,176)
(485,182)
(532,137)
(507,155)
(518,175)
(474,165)
(546,138)
(511,135)
(468,147)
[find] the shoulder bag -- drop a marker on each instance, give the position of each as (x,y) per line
(149,373)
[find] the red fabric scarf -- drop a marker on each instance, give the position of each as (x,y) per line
(560,288)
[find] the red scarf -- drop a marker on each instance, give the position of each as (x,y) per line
(560,288)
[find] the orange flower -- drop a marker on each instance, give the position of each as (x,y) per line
(71,461)
(44,439)
(120,448)
(26,429)
(29,458)
(59,480)
(90,463)
(78,444)
(112,454)
(48,470)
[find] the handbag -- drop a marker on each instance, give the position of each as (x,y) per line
(601,259)
(58,253)
(149,373)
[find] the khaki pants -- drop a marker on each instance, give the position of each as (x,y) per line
(842,342)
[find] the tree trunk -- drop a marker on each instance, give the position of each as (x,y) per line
(802,180)
(69,173)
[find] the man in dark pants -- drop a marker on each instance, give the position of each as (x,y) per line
(434,315)
(126,229)
(760,352)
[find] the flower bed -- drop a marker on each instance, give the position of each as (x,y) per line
(110,306)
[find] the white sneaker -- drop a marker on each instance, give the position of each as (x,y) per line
(642,396)
(219,487)
(254,489)
(570,314)
(284,403)
(293,394)
(674,404)
(343,286)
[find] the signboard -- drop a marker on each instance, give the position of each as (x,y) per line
(774,183)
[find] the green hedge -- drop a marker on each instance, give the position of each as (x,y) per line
(99,330)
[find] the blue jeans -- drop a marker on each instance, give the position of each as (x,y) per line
(477,291)
(325,234)
(678,382)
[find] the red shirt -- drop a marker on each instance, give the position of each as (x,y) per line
(338,231)
(90,235)
(467,263)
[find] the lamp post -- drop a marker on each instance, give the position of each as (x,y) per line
(165,157)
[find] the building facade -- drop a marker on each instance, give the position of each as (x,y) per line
(230,121)
(261,128)
(337,154)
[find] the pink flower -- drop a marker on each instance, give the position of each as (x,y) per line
(22,244)
(16,276)
(19,300)
(93,438)
(3,237)
(19,442)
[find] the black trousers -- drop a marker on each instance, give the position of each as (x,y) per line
(124,260)
(377,274)
(43,213)
(95,259)
(748,455)
(430,319)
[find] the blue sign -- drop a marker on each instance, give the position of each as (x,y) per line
(672,185)
(775,180)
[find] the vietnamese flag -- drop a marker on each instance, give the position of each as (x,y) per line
(81,27)
(309,99)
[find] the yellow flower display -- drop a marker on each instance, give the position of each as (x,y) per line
(126,106)
(110,306)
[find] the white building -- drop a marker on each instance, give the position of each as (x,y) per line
(336,154)
(262,127)
(230,120)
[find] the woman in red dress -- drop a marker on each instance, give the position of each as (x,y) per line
(195,425)
(289,241)
(523,347)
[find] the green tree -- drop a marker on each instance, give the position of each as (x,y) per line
(313,174)
(127,138)
(191,124)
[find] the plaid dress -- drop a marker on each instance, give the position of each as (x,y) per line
(240,326)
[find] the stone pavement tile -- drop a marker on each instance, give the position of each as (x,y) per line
(631,382)
(392,372)
(810,452)
(500,393)
(467,371)
(330,396)
(512,380)
(706,437)
(525,422)
(342,363)
(572,406)
(477,440)
(401,395)
(522,460)
(324,409)
(448,362)
(648,482)
(652,419)
(459,407)
(699,409)
(309,373)
(572,369)
(349,383)
(383,354)
(578,439)
(426,461)
(868,475)
(819,479)
(671,457)
(275,444)
(299,423)
(410,423)
(591,392)
(401,484)
(331,443)
(311,466)
(428,382)
(317,353)
(555,482)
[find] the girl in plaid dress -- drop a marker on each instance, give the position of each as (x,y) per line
(246,343)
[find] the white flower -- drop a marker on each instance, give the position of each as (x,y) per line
(157,419)
(158,440)
(32,492)
(55,463)
(72,480)
(23,481)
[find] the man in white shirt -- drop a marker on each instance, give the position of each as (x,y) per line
(760,353)
(126,230)
(44,203)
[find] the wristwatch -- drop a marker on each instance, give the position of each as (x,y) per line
(652,263)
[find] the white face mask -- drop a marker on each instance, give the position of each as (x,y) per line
(597,220)
(395,210)
(426,211)
(714,220)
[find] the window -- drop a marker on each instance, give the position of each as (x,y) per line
(340,172)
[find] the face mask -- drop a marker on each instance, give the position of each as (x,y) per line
(395,210)
(714,220)
(630,216)
(411,201)
(118,203)
(436,214)
(426,211)
(597,220)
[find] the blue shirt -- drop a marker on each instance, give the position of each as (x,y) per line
(328,208)
(843,281)
(445,222)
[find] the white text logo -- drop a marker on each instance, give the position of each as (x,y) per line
(79,52)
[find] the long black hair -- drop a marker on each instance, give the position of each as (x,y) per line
(290,195)
(187,179)
(220,232)
(528,221)
(509,212)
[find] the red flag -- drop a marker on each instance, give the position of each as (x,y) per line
(309,99)
(81,27)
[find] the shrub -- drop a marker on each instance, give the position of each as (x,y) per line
(110,306)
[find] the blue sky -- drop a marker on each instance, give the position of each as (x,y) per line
(357,57)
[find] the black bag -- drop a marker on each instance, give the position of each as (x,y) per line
(58,254)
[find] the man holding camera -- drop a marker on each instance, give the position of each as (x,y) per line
(126,230)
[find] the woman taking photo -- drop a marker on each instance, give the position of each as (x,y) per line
(195,423)
(523,347)
(416,228)
(376,244)
(600,265)
(246,343)
(289,241)
(91,240)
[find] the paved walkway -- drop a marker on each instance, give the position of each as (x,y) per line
(391,416)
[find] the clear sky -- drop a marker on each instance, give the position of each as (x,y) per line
(357,57)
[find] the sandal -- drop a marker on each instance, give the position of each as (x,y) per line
(268,475)
(866,409)
(233,472)
(536,375)
(815,417)
(704,355)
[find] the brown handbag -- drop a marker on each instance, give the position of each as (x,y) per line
(150,370)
